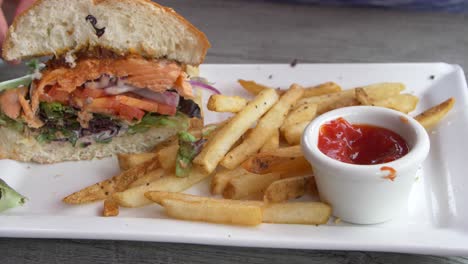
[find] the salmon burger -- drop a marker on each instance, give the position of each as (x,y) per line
(116,79)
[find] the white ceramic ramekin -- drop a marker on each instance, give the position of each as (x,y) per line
(360,193)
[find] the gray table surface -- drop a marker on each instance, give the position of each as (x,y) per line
(270,32)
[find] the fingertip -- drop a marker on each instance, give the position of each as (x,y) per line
(3,27)
(23,5)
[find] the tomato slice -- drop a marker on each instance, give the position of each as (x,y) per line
(89,93)
(98,101)
(130,113)
(103,105)
(143,104)
(164,109)
(110,105)
(56,95)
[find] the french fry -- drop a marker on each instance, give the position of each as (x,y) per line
(223,103)
(303,113)
(289,159)
(111,208)
(134,197)
(214,212)
(404,103)
(309,213)
(221,179)
(249,185)
(290,188)
(167,157)
(252,87)
(195,131)
(199,208)
(215,149)
(267,125)
(297,173)
(118,183)
(158,197)
(345,98)
(401,102)
(383,90)
(293,133)
(362,96)
(127,161)
(321,89)
(433,115)
(147,178)
(272,143)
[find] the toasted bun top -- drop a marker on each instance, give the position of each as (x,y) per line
(56,27)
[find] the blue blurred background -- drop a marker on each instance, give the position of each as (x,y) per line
(426,5)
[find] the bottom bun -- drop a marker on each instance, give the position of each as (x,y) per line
(15,145)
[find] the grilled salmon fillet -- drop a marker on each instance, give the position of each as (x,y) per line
(156,75)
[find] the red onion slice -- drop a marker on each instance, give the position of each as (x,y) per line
(167,97)
(203,85)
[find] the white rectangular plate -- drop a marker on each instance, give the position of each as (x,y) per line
(436,221)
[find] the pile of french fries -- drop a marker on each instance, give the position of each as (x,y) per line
(254,158)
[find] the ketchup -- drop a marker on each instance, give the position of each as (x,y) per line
(359,143)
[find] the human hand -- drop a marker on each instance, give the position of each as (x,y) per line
(21,5)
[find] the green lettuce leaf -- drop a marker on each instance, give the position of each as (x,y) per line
(55,110)
(17,125)
(155,120)
(189,147)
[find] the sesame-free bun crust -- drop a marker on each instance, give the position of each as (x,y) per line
(18,146)
(55,27)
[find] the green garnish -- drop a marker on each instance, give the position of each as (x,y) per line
(9,198)
(55,110)
(11,123)
(189,147)
(54,134)
(155,120)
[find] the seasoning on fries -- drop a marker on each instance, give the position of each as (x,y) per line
(215,150)
(127,161)
(254,158)
(134,197)
(433,115)
(265,128)
(106,188)
(288,159)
